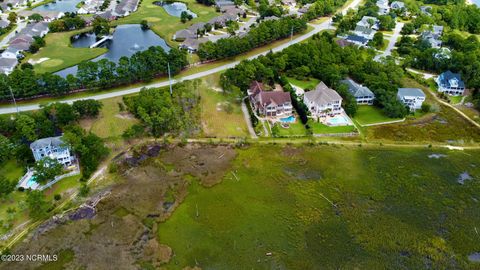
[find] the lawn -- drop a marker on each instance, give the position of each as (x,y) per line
(221,114)
(111,122)
(12,170)
(294,130)
(455,99)
(319,128)
(61,54)
(330,208)
(371,115)
(310,83)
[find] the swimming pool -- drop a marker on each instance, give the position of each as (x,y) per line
(338,120)
(31,182)
(289,119)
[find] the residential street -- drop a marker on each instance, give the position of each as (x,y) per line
(392,41)
(317,28)
(6,39)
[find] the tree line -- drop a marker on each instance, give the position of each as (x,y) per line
(323,59)
(264,33)
(142,66)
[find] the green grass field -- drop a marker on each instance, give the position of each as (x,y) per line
(305,84)
(61,54)
(221,114)
(370,115)
(331,208)
(319,128)
(294,130)
(111,122)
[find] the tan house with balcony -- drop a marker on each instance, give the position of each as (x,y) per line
(323,101)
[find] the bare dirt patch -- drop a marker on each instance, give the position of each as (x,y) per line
(121,233)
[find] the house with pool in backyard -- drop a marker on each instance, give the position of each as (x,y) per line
(273,105)
(325,106)
(54,148)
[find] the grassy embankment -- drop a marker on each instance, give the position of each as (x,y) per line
(338,207)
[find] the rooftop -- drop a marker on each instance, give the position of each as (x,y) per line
(411,92)
(322,94)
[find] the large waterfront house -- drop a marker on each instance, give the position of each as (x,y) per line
(450,83)
(53,147)
(413,98)
(269,103)
(362,94)
(323,101)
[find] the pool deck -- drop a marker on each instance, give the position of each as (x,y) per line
(24,181)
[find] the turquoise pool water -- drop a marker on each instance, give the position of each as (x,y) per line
(31,182)
(289,119)
(338,120)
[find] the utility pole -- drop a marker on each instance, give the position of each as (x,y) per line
(291,34)
(169,78)
(13,97)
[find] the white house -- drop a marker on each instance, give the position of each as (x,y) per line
(450,83)
(411,97)
(7,65)
(323,101)
(383,7)
(52,147)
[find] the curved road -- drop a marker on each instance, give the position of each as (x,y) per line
(317,28)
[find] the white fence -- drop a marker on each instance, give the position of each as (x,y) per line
(58,178)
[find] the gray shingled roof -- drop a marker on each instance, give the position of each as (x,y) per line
(53,141)
(415,92)
(322,94)
(356,89)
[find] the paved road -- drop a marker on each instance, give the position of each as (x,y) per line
(317,28)
(392,41)
(18,28)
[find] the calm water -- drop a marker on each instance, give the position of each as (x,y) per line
(60,5)
(127,40)
(176,8)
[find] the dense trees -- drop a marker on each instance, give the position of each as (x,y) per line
(163,113)
(6,186)
(46,169)
(142,66)
(87,107)
(37,205)
(89,148)
(101,27)
(70,21)
(323,59)
(264,33)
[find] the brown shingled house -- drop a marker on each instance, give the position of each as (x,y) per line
(269,103)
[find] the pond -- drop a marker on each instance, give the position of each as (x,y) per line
(60,5)
(127,40)
(175,8)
